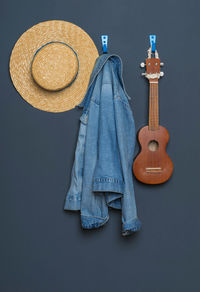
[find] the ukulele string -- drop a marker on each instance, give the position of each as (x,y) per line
(150,123)
(151,119)
(155,117)
(156,123)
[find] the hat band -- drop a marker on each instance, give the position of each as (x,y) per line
(52,42)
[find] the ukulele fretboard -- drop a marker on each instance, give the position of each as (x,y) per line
(153,105)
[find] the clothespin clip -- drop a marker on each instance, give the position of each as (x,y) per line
(152,39)
(104,41)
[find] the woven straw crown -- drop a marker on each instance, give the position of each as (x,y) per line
(51,63)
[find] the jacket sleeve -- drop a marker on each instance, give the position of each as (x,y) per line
(74,194)
(108,171)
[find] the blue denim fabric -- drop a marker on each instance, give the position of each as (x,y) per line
(102,170)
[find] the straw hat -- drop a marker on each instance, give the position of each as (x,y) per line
(51,63)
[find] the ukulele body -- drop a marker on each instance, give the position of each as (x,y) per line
(153,165)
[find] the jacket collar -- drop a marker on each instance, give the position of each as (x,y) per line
(100,62)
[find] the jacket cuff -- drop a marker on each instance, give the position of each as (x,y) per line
(131,227)
(107,184)
(72,202)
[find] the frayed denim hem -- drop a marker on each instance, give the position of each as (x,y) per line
(131,227)
(89,222)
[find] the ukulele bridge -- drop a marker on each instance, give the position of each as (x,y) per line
(153,169)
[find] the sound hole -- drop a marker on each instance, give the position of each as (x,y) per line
(153,145)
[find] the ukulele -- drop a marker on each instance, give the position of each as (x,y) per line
(152,165)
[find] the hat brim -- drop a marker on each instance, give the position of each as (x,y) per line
(23,53)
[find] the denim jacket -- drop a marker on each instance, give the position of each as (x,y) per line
(102,171)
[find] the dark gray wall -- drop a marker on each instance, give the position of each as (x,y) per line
(42,247)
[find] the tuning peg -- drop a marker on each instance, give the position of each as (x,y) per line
(142,65)
(161,74)
(143,74)
(161,64)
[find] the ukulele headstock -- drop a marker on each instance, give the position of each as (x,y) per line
(152,62)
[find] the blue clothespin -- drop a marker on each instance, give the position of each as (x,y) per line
(104,41)
(152,39)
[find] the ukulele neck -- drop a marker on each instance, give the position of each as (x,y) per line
(153,105)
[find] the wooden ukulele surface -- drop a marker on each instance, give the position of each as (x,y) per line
(153,165)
